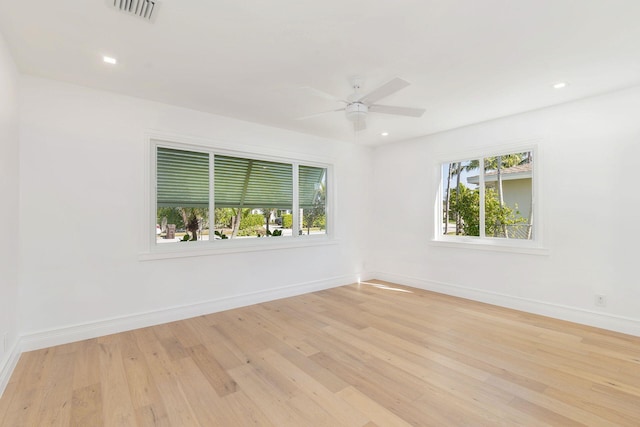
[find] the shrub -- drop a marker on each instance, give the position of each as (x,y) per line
(220,235)
(287,221)
(468,206)
(320,222)
(251,220)
(255,230)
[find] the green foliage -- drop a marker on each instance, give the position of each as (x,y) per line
(190,219)
(173,215)
(223,217)
(313,215)
(255,230)
(496,216)
(275,233)
(287,220)
(251,220)
(220,235)
(491,163)
(506,161)
(320,222)
(468,206)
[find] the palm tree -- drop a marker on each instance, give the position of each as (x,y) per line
(239,213)
(498,163)
(471,165)
(267,217)
(191,222)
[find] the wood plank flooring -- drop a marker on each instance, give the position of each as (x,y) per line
(369,355)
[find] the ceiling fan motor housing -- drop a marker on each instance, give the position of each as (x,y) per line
(356,111)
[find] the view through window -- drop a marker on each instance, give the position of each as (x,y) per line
(489,197)
(240,197)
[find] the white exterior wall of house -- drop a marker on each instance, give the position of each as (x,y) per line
(9,213)
(517,192)
(84,208)
(586,158)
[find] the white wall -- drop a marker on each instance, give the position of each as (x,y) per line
(83,192)
(590,204)
(9,237)
(83,187)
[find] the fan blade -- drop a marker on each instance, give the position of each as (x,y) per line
(385,90)
(324,95)
(400,111)
(359,125)
(318,114)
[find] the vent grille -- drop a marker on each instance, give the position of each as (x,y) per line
(142,8)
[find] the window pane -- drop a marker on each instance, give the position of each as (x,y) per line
(312,188)
(252,197)
(461,204)
(182,210)
(508,195)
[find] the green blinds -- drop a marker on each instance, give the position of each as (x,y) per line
(249,183)
(182,178)
(183,181)
(311,186)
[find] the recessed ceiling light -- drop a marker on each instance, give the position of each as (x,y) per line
(385,134)
(109,60)
(560,85)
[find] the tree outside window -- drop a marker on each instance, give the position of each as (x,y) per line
(204,195)
(504,182)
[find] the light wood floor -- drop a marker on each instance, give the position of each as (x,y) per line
(358,355)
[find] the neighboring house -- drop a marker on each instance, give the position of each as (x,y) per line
(516,187)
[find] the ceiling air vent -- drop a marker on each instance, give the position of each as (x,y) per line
(145,9)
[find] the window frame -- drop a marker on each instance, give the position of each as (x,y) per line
(534,245)
(153,250)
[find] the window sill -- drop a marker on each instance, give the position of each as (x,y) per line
(197,249)
(495,246)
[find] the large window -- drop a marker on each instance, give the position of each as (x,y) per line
(204,195)
(489,197)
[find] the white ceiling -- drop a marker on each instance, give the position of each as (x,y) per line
(467,60)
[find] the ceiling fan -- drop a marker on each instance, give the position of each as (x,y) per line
(358,106)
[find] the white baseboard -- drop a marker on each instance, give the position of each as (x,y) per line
(625,325)
(57,336)
(7,365)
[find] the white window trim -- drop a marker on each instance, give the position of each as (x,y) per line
(534,246)
(154,251)
(197,249)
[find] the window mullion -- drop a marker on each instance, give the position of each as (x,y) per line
(482,196)
(295,227)
(212,200)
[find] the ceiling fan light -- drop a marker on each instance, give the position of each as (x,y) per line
(356,111)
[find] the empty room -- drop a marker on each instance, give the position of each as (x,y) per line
(337,213)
